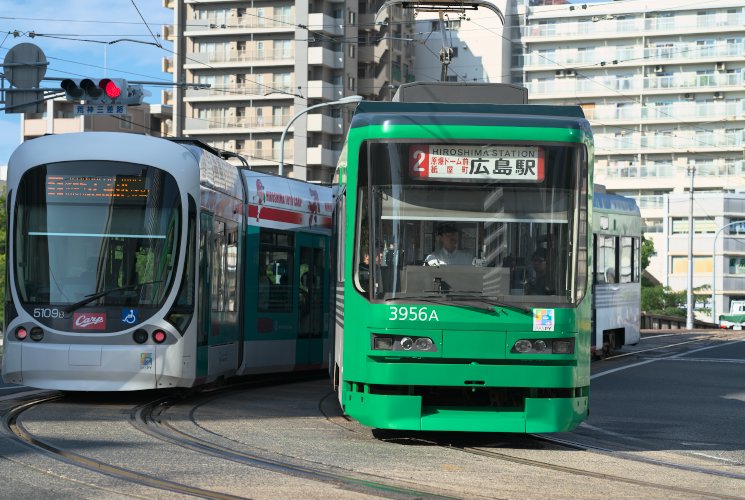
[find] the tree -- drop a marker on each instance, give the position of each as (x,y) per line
(663,300)
(657,299)
(647,252)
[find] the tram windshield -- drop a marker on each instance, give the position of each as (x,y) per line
(472,221)
(86,237)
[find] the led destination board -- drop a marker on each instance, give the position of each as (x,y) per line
(502,163)
(90,188)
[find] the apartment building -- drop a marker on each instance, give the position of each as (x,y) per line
(480,50)
(663,84)
(267,61)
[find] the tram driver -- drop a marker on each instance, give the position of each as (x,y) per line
(449,253)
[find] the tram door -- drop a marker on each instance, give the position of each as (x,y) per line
(312,297)
(218,336)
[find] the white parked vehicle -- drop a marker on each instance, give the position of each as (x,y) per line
(735,319)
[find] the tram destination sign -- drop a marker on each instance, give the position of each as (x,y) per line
(488,162)
(95,188)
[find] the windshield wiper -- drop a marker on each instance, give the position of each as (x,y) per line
(97,295)
(486,300)
(465,298)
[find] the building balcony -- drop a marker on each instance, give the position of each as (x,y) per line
(325,124)
(321,56)
(166,97)
(674,54)
(327,25)
(234,125)
(265,57)
(608,26)
(235,25)
(687,83)
(717,141)
(239,92)
(321,156)
(167,32)
(319,89)
(719,110)
(167,65)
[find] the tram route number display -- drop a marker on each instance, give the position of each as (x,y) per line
(459,162)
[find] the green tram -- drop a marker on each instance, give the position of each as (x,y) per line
(446,318)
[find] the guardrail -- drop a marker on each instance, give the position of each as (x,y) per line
(661,322)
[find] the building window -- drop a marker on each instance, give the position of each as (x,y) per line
(679,264)
(352,51)
(652,226)
(679,225)
(737,265)
(351,83)
(125,122)
(737,227)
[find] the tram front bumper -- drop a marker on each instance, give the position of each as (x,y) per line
(381,401)
(82,367)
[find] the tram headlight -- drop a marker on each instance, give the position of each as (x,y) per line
(21,333)
(139,336)
(562,347)
(382,343)
(543,346)
(523,346)
(36,334)
(402,343)
(423,344)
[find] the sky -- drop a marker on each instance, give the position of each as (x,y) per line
(75,37)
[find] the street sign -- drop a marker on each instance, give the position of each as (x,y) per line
(24,67)
(100,109)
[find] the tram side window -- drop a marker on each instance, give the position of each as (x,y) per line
(224,266)
(231,268)
(218,267)
(627,249)
(605,258)
(276,257)
(637,256)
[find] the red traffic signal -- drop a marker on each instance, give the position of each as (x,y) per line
(111,88)
(102,91)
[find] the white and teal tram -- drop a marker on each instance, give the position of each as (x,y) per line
(142,263)
(616,226)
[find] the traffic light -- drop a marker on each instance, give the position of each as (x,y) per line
(102,91)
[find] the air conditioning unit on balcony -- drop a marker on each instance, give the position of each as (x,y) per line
(659,68)
(571,73)
(560,73)
(689,97)
(720,66)
(718,95)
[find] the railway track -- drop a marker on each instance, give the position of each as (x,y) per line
(151,419)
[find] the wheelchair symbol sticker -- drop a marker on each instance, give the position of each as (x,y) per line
(129,316)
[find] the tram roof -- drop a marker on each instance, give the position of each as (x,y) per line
(430,113)
(615,202)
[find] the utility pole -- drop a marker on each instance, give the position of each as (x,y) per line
(689,306)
